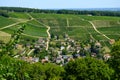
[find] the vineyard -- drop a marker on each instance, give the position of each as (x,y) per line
(76,26)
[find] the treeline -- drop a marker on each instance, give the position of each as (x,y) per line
(76,12)
(4,13)
(81,69)
(87,68)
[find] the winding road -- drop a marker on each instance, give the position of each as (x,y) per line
(48,29)
(67,22)
(14,24)
(98,31)
(48,39)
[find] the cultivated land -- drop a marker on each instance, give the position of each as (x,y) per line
(76,26)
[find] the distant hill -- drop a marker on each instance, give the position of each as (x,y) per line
(101,9)
(96,9)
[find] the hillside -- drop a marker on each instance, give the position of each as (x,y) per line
(76,26)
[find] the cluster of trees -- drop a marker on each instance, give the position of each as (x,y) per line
(9,47)
(77,12)
(83,68)
(14,69)
(4,13)
(114,61)
(79,69)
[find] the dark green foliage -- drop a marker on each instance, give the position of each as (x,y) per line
(114,61)
(88,69)
(3,13)
(13,69)
(15,38)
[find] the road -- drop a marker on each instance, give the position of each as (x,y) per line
(67,22)
(98,31)
(48,39)
(22,21)
(48,29)
(30,51)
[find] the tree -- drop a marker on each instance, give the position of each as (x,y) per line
(53,72)
(3,13)
(15,38)
(87,69)
(114,61)
(12,69)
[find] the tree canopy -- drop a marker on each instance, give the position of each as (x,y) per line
(114,61)
(88,69)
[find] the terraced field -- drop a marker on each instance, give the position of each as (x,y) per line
(5,21)
(4,36)
(76,26)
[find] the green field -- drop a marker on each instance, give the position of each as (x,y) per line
(4,36)
(76,26)
(5,21)
(19,15)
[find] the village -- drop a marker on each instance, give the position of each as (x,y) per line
(60,51)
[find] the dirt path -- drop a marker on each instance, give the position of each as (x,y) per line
(21,21)
(13,24)
(30,51)
(67,22)
(30,16)
(48,29)
(98,31)
(48,39)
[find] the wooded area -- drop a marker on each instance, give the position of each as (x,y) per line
(76,12)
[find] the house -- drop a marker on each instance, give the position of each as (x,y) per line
(107,56)
(46,58)
(36,59)
(98,44)
(44,61)
(76,55)
(112,41)
(89,14)
(59,52)
(93,54)
(41,40)
(59,60)
(62,47)
(30,59)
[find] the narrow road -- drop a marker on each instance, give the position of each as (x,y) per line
(24,21)
(67,22)
(30,51)
(30,16)
(98,31)
(48,29)
(48,39)
(20,21)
